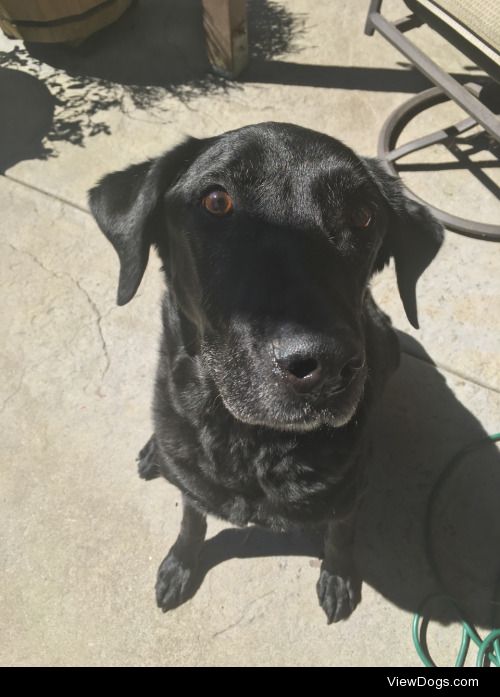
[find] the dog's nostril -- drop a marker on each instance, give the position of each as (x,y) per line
(301,368)
(303,373)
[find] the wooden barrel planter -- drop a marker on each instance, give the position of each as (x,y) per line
(57,21)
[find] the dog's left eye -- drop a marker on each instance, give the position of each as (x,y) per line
(218,202)
(361,217)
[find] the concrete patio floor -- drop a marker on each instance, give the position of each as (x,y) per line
(81,535)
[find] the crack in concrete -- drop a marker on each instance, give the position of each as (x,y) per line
(453,371)
(243,614)
(49,194)
(15,391)
(95,310)
(99,319)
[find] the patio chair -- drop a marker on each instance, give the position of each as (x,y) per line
(473,27)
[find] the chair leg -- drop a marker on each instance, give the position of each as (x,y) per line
(375,6)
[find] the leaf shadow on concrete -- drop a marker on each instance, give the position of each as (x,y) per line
(425,525)
(156,50)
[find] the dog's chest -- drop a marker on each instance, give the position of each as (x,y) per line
(252,475)
(279,475)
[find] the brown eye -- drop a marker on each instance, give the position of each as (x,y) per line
(218,203)
(361,217)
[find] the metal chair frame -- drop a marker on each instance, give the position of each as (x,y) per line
(475,99)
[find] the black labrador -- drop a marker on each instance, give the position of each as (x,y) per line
(273,350)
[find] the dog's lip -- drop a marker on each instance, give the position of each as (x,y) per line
(300,424)
(304,416)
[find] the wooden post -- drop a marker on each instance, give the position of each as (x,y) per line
(225,24)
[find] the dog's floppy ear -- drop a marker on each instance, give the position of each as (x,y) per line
(413,237)
(127,204)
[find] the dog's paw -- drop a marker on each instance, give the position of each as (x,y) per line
(147,463)
(338,596)
(174,583)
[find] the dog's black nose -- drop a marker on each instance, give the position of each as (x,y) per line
(306,364)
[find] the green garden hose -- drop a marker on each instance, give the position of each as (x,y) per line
(489,647)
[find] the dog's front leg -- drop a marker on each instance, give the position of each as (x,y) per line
(339,585)
(177,571)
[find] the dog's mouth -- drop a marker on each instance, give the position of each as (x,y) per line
(332,408)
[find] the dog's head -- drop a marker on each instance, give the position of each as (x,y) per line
(269,235)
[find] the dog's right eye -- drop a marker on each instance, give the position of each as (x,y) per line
(218,203)
(361,217)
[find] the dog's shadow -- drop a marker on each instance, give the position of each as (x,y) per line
(427,522)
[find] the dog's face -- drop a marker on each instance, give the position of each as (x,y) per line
(269,235)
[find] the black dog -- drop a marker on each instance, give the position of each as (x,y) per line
(273,349)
